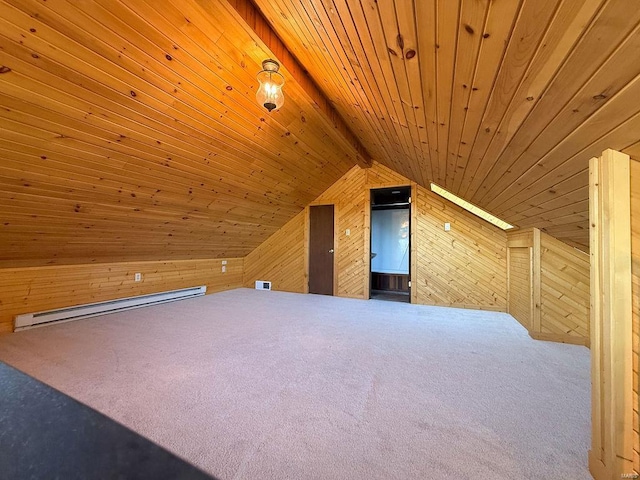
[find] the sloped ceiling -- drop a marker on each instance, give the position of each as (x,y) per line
(501,102)
(129,130)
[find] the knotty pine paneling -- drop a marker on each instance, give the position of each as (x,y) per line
(549,287)
(382,176)
(131,128)
(564,289)
(349,197)
(520,285)
(614,435)
(34,289)
(465,267)
(280,259)
(635,273)
(502,103)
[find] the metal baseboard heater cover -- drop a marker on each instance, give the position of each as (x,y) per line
(39,319)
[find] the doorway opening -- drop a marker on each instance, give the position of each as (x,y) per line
(390,244)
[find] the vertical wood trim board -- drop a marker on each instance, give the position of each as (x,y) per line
(611,455)
(414,243)
(465,267)
(366,278)
(536,303)
(596,465)
(34,289)
(635,277)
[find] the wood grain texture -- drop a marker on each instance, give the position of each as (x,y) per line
(348,197)
(465,267)
(258,25)
(614,435)
(521,285)
(564,289)
(549,287)
(280,258)
(635,275)
(131,128)
(503,103)
(35,289)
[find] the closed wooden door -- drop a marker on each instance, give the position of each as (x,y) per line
(321,249)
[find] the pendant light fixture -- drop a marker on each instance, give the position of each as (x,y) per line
(269,94)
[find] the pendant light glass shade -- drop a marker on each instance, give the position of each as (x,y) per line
(269,94)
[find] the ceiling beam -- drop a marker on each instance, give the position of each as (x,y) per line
(259,25)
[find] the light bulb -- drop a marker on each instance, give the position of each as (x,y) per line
(269,94)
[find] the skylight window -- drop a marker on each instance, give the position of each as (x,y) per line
(470,207)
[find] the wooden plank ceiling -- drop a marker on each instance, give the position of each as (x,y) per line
(501,102)
(129,130)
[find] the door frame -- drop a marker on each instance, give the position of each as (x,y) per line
(307,230)
(413,226)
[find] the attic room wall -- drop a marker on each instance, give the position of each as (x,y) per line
(280,258)
(549,287)
(34,289)
(520,272)
(564,292)
(465,267)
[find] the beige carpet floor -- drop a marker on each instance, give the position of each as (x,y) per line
(268,385)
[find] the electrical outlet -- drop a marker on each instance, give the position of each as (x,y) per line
(224,262)
(137,277)
(447,227)
(224,268)
(347,232)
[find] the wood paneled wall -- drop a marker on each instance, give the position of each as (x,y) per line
(549,287)
(635,277)
(350,265)
(523,272)
(564,291)
(34,289)
(520,285)
(465,267)
(281,258)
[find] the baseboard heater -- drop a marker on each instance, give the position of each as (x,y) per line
(39,319)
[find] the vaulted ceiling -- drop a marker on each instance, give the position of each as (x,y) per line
(129,128)
(501,102)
